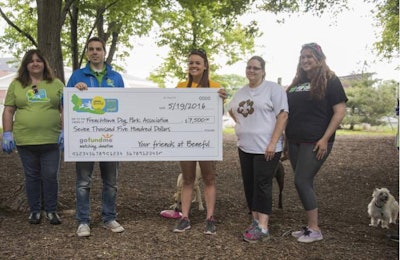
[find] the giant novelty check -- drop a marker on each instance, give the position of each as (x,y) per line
(128,124)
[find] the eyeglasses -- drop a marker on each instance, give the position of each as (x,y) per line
(35,89)
(253,68)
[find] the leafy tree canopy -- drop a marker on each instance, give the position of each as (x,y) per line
(387,16)
(369,101)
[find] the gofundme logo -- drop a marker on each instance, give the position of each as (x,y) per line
(105,138)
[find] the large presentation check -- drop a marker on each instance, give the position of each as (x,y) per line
(128,124)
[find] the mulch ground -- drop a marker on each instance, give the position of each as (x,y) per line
(344,185)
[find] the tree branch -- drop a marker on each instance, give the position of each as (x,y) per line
(65,11)
(13,25)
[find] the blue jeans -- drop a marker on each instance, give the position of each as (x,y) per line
(41,165)
(109,173)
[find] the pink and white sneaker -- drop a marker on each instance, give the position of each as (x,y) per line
(170,213)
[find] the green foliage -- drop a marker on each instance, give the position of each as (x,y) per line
(387,16)
(182,25)
(385,11)
(231,82)
(23,16)
(210,25)
(115,21)
(316,7)
(368,104)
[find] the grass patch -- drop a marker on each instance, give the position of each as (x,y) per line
(366,132)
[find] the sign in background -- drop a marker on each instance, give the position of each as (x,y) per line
(125,124)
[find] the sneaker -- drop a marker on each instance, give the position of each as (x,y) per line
(255,235)
(34,218)
(182,226)
(393,236)
(114,226)
(83,230)
(170,213)
(53,218)
(253,224)
(299,233)
(310,236)
(210,228)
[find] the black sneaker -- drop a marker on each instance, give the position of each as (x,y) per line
(182,226)
(53,218)
(210,228)
(393,236)
(34,218)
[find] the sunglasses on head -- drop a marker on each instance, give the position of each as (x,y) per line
(35,89)
(314,46)
(198,51)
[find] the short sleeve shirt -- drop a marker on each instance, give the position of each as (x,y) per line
(256,110)
(37,117)
(309,118)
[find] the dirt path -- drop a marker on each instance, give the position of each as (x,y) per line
(344,185)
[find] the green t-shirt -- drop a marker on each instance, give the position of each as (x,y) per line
(37,118)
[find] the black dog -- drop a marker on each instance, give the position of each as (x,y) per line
(280,178)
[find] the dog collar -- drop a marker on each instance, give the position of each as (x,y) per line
(380,208)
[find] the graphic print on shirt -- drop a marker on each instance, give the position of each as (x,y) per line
(110,83)
(40,95)
(300,88)
(246,108)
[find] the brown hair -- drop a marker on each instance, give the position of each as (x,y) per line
(23,73)
(319,81)
(96,39)
(262,63)
(204,81)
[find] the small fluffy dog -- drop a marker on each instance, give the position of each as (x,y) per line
(196,190)
(383,208)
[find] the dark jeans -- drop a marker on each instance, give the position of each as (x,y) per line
(109,173)
(41,165)
(305,167)
(257,175)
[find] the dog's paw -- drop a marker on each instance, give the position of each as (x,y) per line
(201,207)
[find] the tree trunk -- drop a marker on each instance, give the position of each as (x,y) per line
(49,34)
(74,37)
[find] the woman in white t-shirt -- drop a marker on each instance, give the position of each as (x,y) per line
(260,110)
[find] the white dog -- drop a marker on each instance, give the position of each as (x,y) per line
(196,190)
(383,208)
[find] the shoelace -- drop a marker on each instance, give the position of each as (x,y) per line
(306,232)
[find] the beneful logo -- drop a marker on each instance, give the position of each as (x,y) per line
(107,136)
